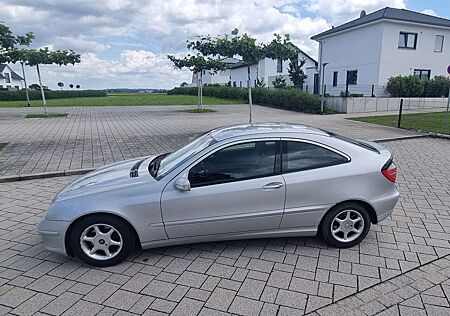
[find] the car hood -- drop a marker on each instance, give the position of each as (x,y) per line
(109,177)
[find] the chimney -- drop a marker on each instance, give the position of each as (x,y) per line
(362,14)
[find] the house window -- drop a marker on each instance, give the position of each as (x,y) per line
(407,40)
(424,74)
(240,84)
(7,78)
(439,43)
(234,84)
(352,76)
(279,65)
(335,78)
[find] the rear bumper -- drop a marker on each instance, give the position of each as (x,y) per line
(53,235)
(384,205)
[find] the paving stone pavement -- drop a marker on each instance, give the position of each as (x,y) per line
(95,136)
(283,276)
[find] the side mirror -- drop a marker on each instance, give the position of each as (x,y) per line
(182,184)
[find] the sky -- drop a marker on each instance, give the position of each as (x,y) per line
(124,43)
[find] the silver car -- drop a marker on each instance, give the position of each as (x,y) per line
(245,181)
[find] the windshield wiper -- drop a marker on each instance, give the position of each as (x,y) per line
(153,167)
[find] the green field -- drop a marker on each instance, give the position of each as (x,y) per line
(126,99)
(428,122)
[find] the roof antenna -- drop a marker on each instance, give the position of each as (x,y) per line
(362,14)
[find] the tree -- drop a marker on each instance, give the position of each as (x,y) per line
(43,56)
(9,41)
(260,83)
(60,84)
(279,83)
(248,49)
(78,86)
(296,72)
(34,86)
(198,64)
(71,86)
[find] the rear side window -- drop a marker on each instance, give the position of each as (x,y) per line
(298,156)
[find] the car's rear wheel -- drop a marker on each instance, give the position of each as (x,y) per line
(101,240)
(346,225)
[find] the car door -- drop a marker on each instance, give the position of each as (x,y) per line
(313,173)
(236,188)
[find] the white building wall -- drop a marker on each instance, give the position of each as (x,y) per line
(357,49)
(13,83)
(399,61)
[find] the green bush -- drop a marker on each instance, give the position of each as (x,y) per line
(289,99)
(19,95)
(437,87)
(405,86)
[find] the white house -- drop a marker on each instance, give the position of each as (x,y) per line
(268,69)
(389,42)
(220,77)
(9,79)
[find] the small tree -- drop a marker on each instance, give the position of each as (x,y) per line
(260,83)
(71,86)
(279,83)
(198,65)
(78,86)
(60,84)
(296,72)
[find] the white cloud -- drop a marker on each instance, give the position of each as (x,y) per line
(429,12)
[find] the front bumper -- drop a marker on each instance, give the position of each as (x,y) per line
(53,235)
(384,205)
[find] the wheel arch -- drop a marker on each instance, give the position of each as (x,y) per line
(67,245)
(366,205)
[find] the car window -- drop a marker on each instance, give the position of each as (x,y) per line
(236,162)
(298,156)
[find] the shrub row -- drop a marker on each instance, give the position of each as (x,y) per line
(289,99)
(412,86)
(19,95)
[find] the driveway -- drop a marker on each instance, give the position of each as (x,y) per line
(401,267)
(94,136)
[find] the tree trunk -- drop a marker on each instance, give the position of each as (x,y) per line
(42,89)
(201,90)
(26,86)
(198,90)
(250,103)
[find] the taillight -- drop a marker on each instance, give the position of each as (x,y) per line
(389,171)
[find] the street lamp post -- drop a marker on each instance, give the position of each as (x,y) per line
(323,88)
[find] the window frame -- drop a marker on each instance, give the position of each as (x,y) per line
(346,78)
(442,43)
(335,78)
(421,71)
(406,34)
(7,77)
(284,154)
(279,65)
(277,166)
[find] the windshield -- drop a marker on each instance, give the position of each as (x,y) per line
(181,155)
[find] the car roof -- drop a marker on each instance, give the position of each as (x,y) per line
(263,129)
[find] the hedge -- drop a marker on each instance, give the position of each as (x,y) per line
(288,99)
(412,86)
(19,95)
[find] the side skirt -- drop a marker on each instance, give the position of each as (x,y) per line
(287,232)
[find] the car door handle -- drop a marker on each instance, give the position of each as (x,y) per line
(272,186)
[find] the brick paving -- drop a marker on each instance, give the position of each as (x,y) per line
(94,136)
(402,267)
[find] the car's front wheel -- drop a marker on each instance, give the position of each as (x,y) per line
(346,225)
(101,240)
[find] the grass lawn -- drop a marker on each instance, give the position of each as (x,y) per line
(126,99)
(429,122)
(49,115)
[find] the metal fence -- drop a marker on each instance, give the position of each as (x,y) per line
(426,114)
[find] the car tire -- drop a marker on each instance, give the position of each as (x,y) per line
(345,225)
(102,240)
